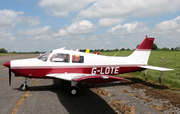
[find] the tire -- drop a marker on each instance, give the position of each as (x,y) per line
(24,89)
(74,91)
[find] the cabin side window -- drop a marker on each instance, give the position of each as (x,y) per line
(60,57)
(77,59)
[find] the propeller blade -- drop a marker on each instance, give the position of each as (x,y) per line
(9,76)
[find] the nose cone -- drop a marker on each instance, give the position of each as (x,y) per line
(7,64)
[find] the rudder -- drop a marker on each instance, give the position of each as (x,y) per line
(142,52)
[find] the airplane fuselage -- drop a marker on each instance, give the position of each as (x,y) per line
(39,69)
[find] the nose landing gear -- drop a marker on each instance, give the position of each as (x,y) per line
(24,87)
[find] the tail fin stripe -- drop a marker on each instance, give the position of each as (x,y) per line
(146,43)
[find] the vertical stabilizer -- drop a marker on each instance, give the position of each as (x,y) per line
(142,52)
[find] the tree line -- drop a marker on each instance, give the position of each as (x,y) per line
(154,47)
(2,50)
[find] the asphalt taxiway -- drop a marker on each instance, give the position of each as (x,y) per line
(45,96)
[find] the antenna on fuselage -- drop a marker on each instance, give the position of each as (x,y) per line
(116,53)
(101,49)
(9,67)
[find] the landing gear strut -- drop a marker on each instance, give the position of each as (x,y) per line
(24,86)
(74,90)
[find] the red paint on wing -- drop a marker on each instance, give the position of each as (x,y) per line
(98,79)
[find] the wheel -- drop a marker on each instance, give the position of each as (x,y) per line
(24,88)
(74,91)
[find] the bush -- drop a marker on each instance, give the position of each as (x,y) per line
(2,50)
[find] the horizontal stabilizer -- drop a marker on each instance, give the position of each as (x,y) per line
(156,68)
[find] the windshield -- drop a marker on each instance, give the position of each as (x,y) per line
(44,56)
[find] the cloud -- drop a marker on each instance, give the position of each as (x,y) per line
(62,8)
(82,27)
(168,25)
(168,32)
(78,28)
(129,28)
(31,21)
(9,19)
(129,8)
(61,32)
(34,32)
(108,12)
(7,37)
(10,13)
(108,22)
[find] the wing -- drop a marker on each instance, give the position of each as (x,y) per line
(87,78)
(156,68)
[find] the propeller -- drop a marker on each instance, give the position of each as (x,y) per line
(8,64)
(9,76)
(9,68)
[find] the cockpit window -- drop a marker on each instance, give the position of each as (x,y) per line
(60,57)
(44,56)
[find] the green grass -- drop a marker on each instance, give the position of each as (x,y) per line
(2,54)
(120,53)
(172,60)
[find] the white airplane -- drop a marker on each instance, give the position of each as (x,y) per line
(75,66)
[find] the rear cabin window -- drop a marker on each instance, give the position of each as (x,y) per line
(77,59)
(60,57)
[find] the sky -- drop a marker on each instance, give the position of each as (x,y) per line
(43,25)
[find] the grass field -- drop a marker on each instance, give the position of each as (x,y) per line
(3,54)
(172,60)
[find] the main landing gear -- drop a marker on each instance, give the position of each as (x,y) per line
(24,86)
(74,90)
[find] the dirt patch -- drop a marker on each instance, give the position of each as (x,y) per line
(122,107)
(99,91)
(138,96)
(163,94)
(154,90)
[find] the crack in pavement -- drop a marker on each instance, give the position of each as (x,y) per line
(23,98)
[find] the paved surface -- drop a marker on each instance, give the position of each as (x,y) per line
(47,96)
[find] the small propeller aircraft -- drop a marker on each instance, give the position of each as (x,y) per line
(75,66)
